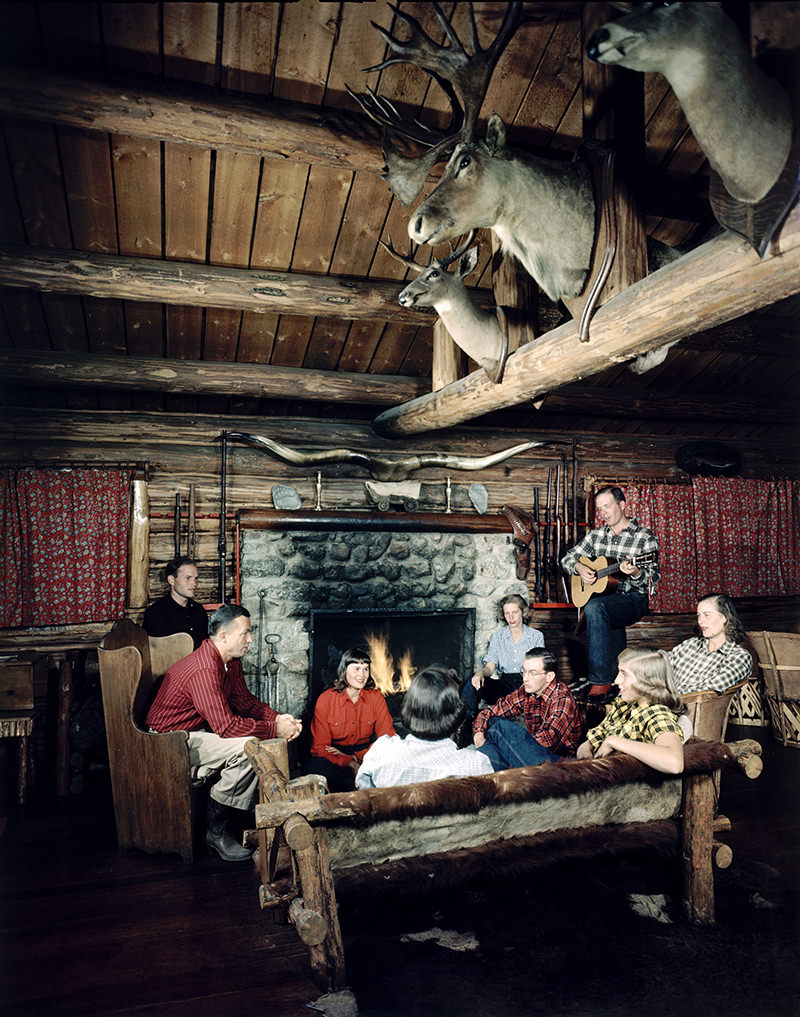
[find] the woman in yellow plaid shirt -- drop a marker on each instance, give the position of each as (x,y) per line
(643,720)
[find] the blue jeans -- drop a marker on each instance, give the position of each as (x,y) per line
(493,689)
(606,619)
(507,744)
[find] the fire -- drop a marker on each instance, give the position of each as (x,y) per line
(390,676)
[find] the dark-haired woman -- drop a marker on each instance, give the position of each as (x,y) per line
(348,717)
(432,711)
(713,659)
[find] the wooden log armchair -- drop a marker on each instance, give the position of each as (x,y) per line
(151,781)
(778,656)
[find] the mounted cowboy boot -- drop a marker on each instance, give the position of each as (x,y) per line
(217,836)
(523,556)
(523,526)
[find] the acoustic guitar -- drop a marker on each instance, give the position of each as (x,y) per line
(606,582)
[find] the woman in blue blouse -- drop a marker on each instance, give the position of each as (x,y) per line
(501,672)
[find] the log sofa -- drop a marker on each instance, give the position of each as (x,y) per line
(446,830)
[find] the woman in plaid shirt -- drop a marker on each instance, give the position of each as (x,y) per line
(643,720)
(713,659)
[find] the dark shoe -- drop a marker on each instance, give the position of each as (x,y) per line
(217,836)
(603,698)
(580,690)
(523,526)
(226,847)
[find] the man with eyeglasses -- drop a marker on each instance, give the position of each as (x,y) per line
(552,719)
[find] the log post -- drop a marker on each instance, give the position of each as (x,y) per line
(311,927)
(316,887)
(138,546)
(270,760)
(698,821)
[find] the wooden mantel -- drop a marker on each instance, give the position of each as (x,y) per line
(719,281)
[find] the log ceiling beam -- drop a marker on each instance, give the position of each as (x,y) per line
(178,282)
(58,369)
(205,377)
(314,136)
(715,283)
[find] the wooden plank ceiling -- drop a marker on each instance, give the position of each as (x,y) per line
(134,187)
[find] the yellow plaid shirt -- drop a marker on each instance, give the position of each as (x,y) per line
(637,723)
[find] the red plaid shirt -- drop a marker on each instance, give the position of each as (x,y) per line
(200,693)
(552,717)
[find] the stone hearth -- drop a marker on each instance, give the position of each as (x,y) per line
(299,571)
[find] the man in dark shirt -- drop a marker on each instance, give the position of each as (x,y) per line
(177,611)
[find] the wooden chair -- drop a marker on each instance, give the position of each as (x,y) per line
(778,656)
(17,719)
(708,711)
(151,778)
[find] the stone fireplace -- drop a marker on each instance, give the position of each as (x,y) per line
(318,581)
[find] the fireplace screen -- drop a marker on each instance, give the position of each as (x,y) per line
(400,643)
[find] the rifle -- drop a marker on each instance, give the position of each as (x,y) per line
(537,549)
(558,523)
(546,552)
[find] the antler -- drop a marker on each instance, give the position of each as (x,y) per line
(463,78)
(408,260)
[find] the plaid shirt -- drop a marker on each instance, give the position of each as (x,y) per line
(393,760)
(637,723)
(633,541)
(552,717)
(696,668)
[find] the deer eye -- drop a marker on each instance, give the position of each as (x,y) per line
(465,161)
(434,273)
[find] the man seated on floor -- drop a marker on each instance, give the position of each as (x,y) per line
(177,610)
(206,695)
(552,719)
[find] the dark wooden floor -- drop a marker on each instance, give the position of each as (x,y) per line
(87,931)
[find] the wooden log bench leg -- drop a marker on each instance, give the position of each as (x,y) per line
(316,886)
(698,838)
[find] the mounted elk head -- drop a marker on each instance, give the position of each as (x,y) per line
(542,211)
(741,118)
(481,335)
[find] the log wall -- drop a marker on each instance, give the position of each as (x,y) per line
(180,450)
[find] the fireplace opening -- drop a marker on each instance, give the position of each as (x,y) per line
(409,641)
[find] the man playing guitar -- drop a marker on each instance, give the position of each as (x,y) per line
(607,616)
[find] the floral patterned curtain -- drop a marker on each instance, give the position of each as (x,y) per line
(64,538)
(720,534)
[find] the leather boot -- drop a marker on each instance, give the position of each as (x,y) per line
(523,556)
(523,526)
(217,836)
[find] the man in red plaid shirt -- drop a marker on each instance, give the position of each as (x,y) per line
(552,720)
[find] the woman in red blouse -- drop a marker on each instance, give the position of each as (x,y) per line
(348,718)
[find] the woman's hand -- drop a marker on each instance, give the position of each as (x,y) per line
(584,751)
(478,679)
(478,739)
(607,746)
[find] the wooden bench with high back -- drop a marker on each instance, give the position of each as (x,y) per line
(151,778)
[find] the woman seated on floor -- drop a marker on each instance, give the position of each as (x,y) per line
(348,717)
(713,659)
(432,711)
(643,720)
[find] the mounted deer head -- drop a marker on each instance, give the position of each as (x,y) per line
(541,210)
(741,118)
(477,332)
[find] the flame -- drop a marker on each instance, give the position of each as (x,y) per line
(389,676)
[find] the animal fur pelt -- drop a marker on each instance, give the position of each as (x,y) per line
(504,860)
(529,783)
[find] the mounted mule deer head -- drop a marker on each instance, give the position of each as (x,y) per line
(477,332)
(541,210)
(741,118)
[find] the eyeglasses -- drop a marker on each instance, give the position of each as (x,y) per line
(533,674)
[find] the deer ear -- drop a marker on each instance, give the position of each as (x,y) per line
(495,134)
(469,259)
